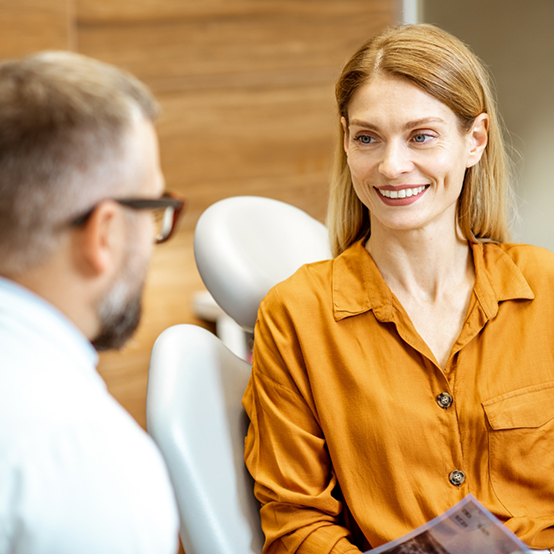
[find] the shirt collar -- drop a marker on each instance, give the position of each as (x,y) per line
(359,287)
(36,315)
(498,278)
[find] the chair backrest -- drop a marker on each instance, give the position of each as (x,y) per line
(194,414)
(244,245)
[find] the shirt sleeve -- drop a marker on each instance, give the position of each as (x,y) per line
(285,449)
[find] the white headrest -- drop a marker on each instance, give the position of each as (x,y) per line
(244,245)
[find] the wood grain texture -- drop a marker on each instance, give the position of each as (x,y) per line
(30,25)
(105,11)
(276,142)
(268,45)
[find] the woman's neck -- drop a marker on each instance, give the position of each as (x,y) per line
(426,262)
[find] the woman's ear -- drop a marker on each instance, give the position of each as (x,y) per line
(478,137)
(345,134)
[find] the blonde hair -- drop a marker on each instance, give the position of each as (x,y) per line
(65,123)
(443,67)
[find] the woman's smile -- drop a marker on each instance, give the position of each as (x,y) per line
(402,195)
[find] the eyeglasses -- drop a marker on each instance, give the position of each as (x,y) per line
(166,211)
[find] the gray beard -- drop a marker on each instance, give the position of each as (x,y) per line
(118,321)
(119,310)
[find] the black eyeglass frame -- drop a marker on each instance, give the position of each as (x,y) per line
(167,200)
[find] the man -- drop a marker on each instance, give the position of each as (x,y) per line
(79,179)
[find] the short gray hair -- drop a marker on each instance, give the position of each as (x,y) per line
(64,120)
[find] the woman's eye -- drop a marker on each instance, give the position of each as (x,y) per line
(422,138)
(365,139)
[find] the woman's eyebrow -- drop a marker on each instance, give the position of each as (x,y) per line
(365,124)
(422,122)
(408,125)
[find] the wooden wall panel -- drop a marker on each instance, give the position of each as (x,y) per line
(276,45)
(30,25)
(246,89)
(273,142)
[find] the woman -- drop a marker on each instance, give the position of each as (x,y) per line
(417,366)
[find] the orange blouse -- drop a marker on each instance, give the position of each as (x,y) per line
(357,436)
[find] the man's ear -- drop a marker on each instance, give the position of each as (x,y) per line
(478,137)
(99,239)
(346,134)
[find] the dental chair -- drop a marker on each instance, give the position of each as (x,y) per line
(243,246)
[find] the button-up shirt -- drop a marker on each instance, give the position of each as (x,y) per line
(77,474)
(358,436)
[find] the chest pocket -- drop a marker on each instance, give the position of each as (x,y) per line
(521,449)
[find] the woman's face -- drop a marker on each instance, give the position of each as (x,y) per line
(407,154)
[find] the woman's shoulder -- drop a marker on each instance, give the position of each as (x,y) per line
(527,255)
(310,281)
(535,263)
(314,283)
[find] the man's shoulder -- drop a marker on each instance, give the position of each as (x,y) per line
(65,495)
(86,477)
(41,384)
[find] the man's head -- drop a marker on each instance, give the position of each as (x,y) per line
(75,134)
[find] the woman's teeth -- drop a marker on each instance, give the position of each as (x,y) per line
(402,193)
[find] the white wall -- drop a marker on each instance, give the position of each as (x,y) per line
(515,39)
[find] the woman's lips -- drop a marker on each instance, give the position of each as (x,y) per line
(401,196)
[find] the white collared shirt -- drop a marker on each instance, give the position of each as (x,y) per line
(77,474)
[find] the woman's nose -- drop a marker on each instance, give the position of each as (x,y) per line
(396,161)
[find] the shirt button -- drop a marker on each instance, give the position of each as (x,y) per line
(457,477)
(444,400)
